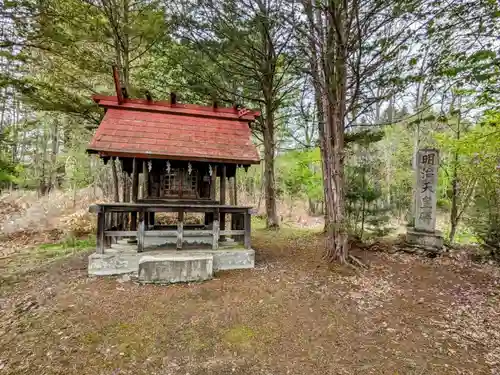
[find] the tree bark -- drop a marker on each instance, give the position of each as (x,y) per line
(54,135)
(335,76)
(454,217)
(272,220)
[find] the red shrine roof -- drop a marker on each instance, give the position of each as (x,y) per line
(160,130)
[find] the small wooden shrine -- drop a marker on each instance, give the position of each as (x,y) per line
(181,151)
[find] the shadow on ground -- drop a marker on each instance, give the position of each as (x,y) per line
(293,314)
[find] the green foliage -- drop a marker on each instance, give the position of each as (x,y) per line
(367,207)
(300,174)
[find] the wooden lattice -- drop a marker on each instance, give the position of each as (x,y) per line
(178,183)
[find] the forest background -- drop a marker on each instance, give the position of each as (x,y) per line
(348,91)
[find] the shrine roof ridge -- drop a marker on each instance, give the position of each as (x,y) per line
(193,110)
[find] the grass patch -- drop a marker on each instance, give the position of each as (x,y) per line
(240,335)
(68,246)
(33,259)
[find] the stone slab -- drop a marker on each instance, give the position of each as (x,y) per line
(432,241)
(126,260)
(180,268)
(426,189)
(233,259)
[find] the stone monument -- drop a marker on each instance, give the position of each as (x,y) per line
(424,234)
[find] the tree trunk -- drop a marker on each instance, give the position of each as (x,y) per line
(335,75)
(53,157)
(316,49)
(270,191)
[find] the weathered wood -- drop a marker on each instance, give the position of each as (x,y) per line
(180,230)
(166,207)
(141,233)
(95,208)
(145,183)
(126,198)
(232,232)
(223,199)
(161,233)
(209,218)
(116,189)
(119,233)
(235,182)
(238,224)
(171,233)
(215,239)
(213,183)
(135,192)
(248,230)
(197,201)
(101,226)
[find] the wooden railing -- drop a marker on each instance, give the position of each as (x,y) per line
(241,230)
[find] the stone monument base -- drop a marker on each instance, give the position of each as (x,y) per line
(431,241)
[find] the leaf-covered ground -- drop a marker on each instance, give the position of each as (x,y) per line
(290,315)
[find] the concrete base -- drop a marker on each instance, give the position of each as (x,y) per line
(175,268)
(426,240)
(124,259)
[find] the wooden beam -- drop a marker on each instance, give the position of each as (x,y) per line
(235,192)
(213,183)
(145,175)
(118,89)
(101,227)
(116,191)
(126,198)
(135,192)
(248,230)
(222,200)
(180,229)
(172,233)
(152,219)
(141,233)
(119,233)
(135,180)
(215,239)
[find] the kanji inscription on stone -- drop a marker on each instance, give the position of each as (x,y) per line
(426,198)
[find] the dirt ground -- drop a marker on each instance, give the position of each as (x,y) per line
(292,314)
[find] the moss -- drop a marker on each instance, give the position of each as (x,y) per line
(239,335)
(68,246)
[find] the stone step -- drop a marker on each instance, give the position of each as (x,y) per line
(166,269)
(123,247)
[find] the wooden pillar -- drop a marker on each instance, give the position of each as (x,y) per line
(135,192)
(215,231)
(213,183)
(151,219)
(126,198)
(115,221)
(141,232)
(238,223)
(180,229)
(101,225)
(145,175)
(209,218)
(223,199)
(248,229)
(235,190)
